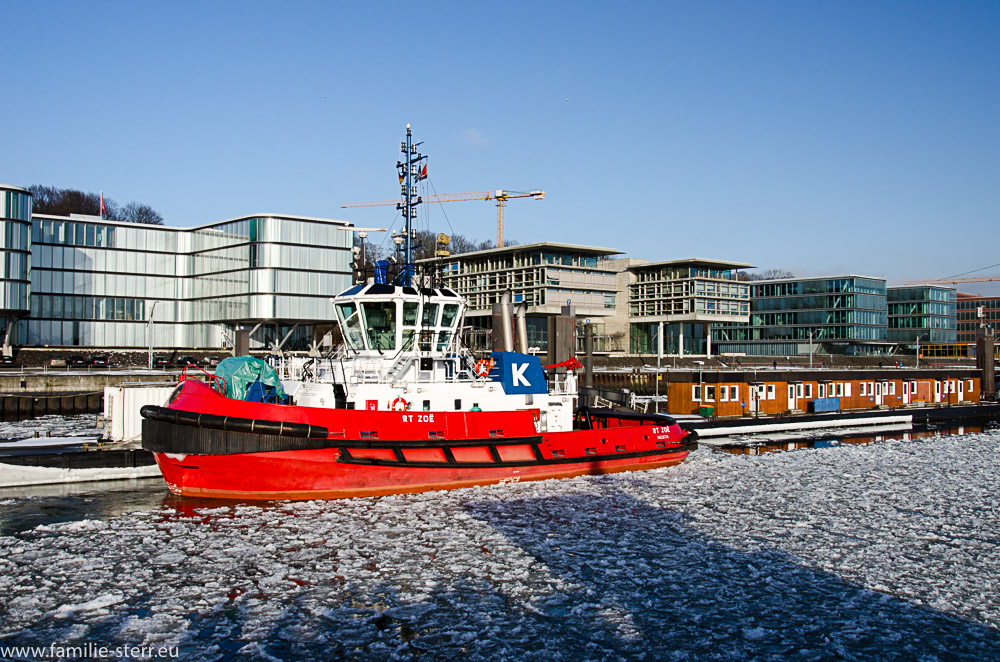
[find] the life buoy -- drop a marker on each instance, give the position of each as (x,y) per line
(399,404)
(483,367)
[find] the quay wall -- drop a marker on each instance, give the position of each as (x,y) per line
(76,381)
(30,394)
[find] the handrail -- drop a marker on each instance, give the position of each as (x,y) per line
(213,380)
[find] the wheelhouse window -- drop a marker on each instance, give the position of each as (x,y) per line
(430,314)
(350,321)
(380,321)
(449,314)
(410,309)
(426,341)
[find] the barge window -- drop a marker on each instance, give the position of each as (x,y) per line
(696,393)
(770,391)
(734,393)
(710,393)
(809,390)
(351,323)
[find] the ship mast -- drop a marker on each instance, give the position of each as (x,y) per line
(412,168)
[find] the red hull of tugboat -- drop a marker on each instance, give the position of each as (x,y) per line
(306,453)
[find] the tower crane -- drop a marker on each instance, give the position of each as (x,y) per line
(955,281)
(499,195)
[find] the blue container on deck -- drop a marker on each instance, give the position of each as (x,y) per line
(820,405)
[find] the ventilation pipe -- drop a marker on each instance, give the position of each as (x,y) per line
(521,325)
(505,318)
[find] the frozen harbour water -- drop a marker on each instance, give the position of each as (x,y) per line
(889,551)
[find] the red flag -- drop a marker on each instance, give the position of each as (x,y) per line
(103,210)
(423,173)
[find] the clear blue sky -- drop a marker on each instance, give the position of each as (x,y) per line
(818,137)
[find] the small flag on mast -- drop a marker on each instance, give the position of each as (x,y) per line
(423,173)
(103,211)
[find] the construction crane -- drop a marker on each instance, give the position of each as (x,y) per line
(955,281)
(499,195)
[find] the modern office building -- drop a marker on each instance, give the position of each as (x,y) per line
(543,276)
(974,311)
(98,284)
(927,312)
(15,231)
(793,316)
(673,304)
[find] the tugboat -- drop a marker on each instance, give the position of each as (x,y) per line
(402,407)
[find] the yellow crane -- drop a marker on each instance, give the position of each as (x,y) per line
(499,195)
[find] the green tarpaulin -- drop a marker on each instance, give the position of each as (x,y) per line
(239,372)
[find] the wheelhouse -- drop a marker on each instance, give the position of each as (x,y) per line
(379,320)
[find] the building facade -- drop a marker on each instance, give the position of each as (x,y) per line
(974,311)
(98,283)
(15,234)
(544,277)
(793,316)
(924,312)
(672,305)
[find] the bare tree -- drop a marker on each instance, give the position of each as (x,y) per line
(766,274)
(63,202)
(66,201)
(135,212)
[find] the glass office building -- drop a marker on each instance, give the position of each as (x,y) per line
(15,229)
(684,298)
(925,311)
(839,315)
(97,283)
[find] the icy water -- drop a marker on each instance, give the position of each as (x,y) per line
(886,551)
